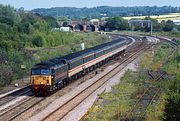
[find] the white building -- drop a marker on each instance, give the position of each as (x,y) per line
(65,29)
(177,22)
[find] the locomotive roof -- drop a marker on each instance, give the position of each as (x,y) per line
(45,64)
(50,63)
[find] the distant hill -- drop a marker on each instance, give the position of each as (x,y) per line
(105,11)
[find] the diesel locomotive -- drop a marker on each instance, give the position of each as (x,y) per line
(48,76)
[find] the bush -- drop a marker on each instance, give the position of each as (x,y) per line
(3,56)
(172,110)
(175,32)
(6,74)
(169,25)
(38,41)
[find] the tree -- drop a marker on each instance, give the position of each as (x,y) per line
(172,107)
(156,25)
(168,26)
(8,15)
(117,23)
(105,11)
(65,23)
(24,27)
(178,27)
(172,110)
(3,56)
(38,41)
(5,76)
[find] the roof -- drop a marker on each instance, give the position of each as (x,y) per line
(78,54)
(58,61)
(91,50)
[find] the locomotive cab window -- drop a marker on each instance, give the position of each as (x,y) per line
(36,72)
(45,71)
(41,72)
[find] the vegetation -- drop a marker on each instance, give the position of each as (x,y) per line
(162,21)
(27,38)
(71,43)
(167,107)
(114,105)
(165,17)
(172,107)
(117,23)
(106,11)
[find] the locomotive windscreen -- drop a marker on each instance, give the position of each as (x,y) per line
(41,72)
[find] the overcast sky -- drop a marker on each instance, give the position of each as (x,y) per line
(31,4)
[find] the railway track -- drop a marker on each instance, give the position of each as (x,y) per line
(18,109)
(64,109)
(138,111)
(12,96)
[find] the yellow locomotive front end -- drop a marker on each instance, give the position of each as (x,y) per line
(41,80)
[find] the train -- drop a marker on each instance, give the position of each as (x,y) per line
(48,76)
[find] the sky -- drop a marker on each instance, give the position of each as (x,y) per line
(32,4)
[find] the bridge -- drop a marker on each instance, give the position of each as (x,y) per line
(87,26)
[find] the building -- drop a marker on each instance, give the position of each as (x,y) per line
(177,22)
(65,29)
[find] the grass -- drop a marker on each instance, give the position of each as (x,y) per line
(170,16)
(171,34)
(173,66)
